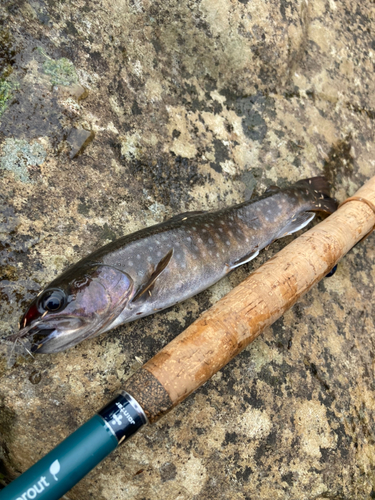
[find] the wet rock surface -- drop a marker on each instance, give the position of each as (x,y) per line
(193,105)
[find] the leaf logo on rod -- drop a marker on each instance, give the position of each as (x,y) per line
(55,469)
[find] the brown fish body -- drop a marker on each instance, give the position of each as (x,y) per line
(172,261)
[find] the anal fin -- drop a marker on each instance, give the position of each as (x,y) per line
(243,260)
(299,222)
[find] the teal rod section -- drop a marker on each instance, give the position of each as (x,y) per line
(71,460)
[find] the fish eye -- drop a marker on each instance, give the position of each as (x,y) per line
(52,300)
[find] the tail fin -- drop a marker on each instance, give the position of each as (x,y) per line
(320,189)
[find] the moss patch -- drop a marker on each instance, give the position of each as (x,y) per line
(5,95)
(7,60)
(7,53)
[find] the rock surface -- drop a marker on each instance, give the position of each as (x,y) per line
(193,104)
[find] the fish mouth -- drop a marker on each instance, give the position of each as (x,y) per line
(54,335)
(59,334)
(40,338)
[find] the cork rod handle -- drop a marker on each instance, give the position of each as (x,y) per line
(237,319)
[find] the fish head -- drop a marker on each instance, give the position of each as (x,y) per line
(79,304)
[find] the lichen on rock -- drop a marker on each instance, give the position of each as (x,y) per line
(61,71)
(18,156)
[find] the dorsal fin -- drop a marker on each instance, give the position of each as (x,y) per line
(154,276)
(185,215)
(272,190)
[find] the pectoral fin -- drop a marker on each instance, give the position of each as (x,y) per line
(296,224)
(154,276)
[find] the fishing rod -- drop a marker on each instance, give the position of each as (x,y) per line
(202,349)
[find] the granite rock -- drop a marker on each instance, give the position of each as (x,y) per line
(193,105)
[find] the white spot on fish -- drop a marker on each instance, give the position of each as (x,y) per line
(141,273)
(177,243)
(209,252)
(267,202)
(217,235)
(210,241)
(227,243)
(194,228)
(247,240)
(230,233)
(149,259)
(207,225)
(183,265)
(217,255)
(200,240)
(220,229)
(157,242)
(130,263)
(204,230)
(188,239)
(158,254)
(267,219)
(138,256)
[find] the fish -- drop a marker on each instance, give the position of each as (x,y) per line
(161,265)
